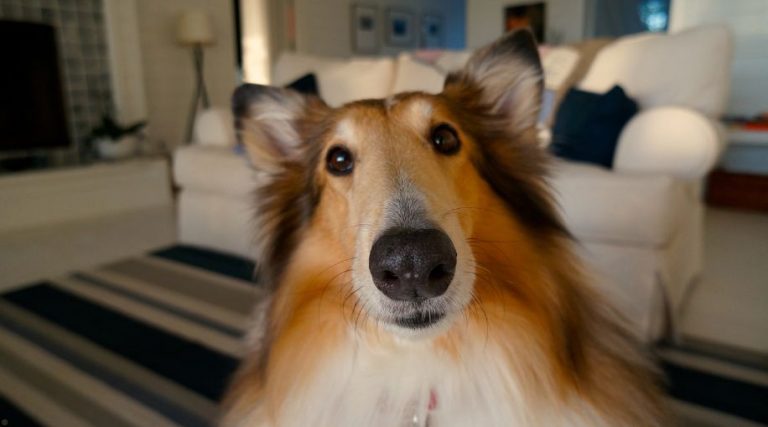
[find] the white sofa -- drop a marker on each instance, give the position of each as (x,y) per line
(639,225)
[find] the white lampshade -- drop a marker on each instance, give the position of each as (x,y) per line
(195,27)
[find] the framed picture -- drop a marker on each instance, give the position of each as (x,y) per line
(399,29)
(432,31)
(365,29)
(531,16)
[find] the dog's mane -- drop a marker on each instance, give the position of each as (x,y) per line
(512,164)
(289,197)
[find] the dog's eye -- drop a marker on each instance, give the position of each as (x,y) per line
(445,140)
(339,160)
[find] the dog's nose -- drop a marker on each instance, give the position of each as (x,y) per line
(412,265)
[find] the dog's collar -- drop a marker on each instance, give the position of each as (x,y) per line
(421,419)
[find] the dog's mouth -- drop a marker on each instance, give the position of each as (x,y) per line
(420,320)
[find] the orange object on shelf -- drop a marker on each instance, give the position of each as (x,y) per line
(759,126)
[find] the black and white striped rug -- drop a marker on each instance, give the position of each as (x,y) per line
(152,341)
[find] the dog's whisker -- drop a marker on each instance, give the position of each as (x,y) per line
(336,264)
(349,295)
(329,282)
(359,316)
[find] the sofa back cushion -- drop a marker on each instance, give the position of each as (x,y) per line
(411,74)
(340,80)
(689,69)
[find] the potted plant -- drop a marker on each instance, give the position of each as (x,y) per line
(114,141)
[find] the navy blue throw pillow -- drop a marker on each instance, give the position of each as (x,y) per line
(306,84)
(588,125)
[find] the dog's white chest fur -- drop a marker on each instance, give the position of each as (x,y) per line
(363,387)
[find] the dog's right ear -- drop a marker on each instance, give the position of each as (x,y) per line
(267,120)
(505,78)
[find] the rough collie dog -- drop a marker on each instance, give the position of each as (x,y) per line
(420,273)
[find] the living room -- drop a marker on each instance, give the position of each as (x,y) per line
(129,190)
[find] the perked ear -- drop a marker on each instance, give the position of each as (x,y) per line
(507,77)
(273,124)
(267,120)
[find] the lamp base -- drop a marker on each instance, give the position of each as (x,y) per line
(201,93)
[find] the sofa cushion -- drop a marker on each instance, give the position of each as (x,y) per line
(452,60)
(557,63)
(306,84)
(588,125)
(340,80)
(414,75)
(609,207)
(291,66)
(690,68)
(213,169)
(357,78)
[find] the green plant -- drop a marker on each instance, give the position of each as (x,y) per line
(110,129)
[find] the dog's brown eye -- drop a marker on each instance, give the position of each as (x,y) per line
(445,140)
(339,161)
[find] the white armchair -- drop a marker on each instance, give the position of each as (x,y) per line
(641,223)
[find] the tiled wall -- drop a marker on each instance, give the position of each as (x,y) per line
(82,48)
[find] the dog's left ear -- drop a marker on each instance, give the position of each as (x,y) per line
(268,120)
(507,78)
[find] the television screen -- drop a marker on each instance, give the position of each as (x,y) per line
(32,113)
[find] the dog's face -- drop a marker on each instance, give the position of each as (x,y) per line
(390,181)
(395,172)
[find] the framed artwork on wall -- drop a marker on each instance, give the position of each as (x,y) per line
(530,16)
(432,31)
(365,28)
(399,28)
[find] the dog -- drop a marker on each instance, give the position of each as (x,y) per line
(420,273)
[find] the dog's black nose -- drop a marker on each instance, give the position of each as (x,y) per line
(412,265)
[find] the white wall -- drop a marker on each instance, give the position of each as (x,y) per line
(324,27)
(748,19)
(485,20)
(145,51)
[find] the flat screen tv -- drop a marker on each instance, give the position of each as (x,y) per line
(32,114)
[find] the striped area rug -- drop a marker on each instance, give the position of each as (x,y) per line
(153,340)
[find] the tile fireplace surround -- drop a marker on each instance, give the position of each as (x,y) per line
(82,46)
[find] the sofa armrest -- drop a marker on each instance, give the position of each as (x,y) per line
(215,170)
(675,141)
(215,127)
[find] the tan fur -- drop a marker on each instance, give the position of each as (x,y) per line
(530,301)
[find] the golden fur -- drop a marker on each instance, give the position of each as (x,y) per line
(528,311)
